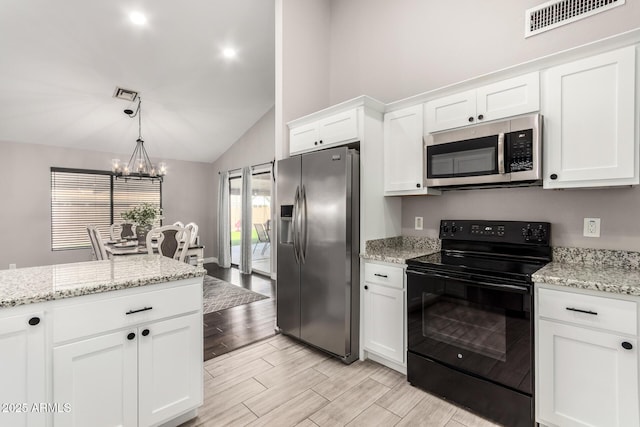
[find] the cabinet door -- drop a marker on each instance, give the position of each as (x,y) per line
(303,138)
(339,128)
(170,368)
(589,108)
(98,378)
(585,377)
(403,150)
(22,369)
(450,111)
(384,322)
(507,98)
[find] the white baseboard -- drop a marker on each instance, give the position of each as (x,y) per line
(211,259)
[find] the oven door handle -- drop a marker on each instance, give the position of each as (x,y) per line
(489,285)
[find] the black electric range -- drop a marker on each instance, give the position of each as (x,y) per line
(469,310)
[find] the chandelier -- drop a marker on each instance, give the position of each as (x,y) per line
(139,165)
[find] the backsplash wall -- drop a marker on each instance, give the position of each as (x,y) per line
(618,209)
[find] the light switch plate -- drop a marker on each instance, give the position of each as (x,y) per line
(418,225)
(591,227)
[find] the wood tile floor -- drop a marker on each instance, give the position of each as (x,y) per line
(280,382)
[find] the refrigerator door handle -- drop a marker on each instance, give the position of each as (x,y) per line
(303,225)
(294,220)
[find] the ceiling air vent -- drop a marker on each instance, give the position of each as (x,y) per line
(126,94)
(556,13)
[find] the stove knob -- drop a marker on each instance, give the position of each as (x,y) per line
(454,228)
(445,229)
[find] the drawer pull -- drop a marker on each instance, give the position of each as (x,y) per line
(131,336)
(582,311)
(145,332)
(139,310)
(380,275)
(34,321)
(627,345)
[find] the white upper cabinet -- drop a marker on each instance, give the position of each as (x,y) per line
(404,152)
(506,98)
(590,111)
(340,128)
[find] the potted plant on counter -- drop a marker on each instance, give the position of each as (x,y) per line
(144,216)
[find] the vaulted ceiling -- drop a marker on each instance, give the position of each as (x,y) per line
(60,62)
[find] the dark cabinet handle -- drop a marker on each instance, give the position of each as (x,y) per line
(582,311)
(380,275)
(315,143)
(366,287)
(320,141)
(131,336)
(480,117)
(145,332)
(627,345)
(553,176)
(34,321)
(139,310)
(418,185)
(470,119)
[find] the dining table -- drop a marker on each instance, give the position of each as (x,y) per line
(131,246)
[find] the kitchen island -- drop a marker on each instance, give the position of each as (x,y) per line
(116,342)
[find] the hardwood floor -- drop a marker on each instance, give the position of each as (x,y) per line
(235,327)
(281,382)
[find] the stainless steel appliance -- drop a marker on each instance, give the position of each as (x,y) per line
(470,330)
(500,153)
(318,250)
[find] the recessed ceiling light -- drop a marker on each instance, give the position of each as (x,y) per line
(138,18)
(229,53)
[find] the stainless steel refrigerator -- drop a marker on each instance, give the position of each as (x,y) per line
(318,299)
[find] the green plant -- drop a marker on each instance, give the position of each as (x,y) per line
(143,215)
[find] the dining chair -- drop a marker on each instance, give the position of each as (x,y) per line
(121,230)
(97,245)
(263,237)
(168,242)
(194,232)
(179,224)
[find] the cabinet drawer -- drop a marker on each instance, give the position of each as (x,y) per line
(599,312)
(384,275)
(110,313)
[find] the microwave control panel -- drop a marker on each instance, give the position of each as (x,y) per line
(520,150)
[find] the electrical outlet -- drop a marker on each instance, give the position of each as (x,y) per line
(12,266)
(591,227)
(418,223)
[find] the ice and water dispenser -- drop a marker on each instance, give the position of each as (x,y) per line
(285,229)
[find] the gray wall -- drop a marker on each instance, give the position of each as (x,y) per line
(256,146)
(25,199)
(394,49)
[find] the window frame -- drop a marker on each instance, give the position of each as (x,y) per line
(54,169)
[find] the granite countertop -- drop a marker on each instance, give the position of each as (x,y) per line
(38,284)
(399,249)
(594,269)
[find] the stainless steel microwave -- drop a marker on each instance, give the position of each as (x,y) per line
(507,152)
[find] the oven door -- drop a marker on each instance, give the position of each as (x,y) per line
(477,326)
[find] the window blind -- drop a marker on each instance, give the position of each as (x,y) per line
(132,192)
(82,198)
(78,200)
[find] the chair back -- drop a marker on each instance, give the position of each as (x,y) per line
(99,252)
(194,232)
(179,224)
(121,230)
(168,241)
(262,233)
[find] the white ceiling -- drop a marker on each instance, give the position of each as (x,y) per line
(60,62)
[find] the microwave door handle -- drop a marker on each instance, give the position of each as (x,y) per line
(501,153)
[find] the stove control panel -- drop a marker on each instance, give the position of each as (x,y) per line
(517,232)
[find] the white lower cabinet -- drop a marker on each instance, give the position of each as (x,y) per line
(586,375)
(139,376)
(22,370)
(384,313)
